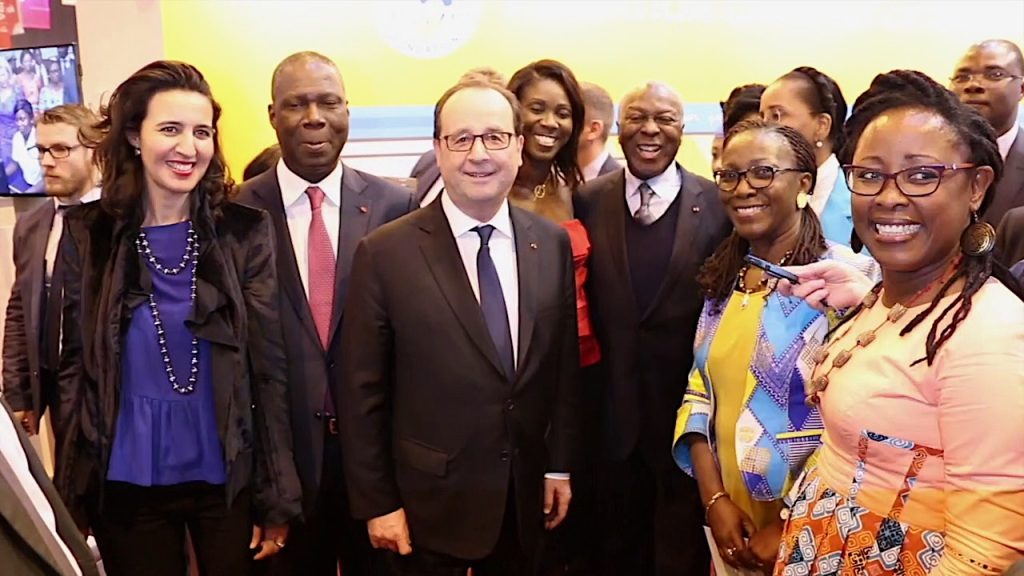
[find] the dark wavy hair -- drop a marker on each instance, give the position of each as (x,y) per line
(823,96)
(908,89)
(565,165)
(122,172)
(742,102)
(717,276)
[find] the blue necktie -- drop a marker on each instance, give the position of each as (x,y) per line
(492,301)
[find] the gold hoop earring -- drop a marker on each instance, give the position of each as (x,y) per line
(979,238)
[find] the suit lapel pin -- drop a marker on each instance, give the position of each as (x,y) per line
(695,209)
(533,245)
(363,209)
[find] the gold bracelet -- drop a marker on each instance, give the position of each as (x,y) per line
(711,502)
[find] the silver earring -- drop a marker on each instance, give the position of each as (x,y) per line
(138,152)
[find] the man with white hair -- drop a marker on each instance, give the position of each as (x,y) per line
(651,225)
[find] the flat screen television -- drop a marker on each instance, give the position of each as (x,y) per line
(31,80)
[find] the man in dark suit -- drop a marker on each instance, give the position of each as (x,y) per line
(651,227)
(320,208)
(32,328)
(592,154)
(1010,237)
(460,354)
(426,172)
(990,78)
(37,535)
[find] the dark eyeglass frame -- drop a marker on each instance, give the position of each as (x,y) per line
(482,137)
(66,151)
(942,169)
(744,175)
(962,78)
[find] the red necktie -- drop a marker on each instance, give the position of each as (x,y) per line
(321,268)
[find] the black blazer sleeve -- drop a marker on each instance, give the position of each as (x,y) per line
(565,441)
(71,472)
(1009,240)
(17,386)
(277,489)
(364,398)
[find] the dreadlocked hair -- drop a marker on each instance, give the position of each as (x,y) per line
(718,274)
(902,89)
(823,96)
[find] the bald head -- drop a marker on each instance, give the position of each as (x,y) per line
(1016,59)
(653,89)
(299,60)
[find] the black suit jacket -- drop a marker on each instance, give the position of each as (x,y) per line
(1009,191)
(431,423)
(610,165)
(1010,237)
(23,351)
(236,310)
(646,356)
(22,549)
(366,202)
(426,172)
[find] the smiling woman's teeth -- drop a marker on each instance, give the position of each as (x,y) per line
(746,210)
(545,140)
(897,229)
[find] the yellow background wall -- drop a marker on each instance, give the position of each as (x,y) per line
(703,48)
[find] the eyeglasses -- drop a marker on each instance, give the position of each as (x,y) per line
(757,177)
(57,151)
(465,142)
(990,76)
(914,181)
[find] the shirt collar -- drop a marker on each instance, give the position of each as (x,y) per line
(593,170)
(1006,141)
(90,196)
(826,176)
(665,185)
(293,186)
(461,223)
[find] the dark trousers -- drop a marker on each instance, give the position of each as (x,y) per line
(647,520)
(329,534)
(507,559)
(141,530)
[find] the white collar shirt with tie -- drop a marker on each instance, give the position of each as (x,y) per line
(299,213)
(665,186)
(503,252)
(57,229)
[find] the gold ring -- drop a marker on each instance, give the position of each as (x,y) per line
(279,544)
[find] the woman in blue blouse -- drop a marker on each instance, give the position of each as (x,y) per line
(172,409)
(811,103)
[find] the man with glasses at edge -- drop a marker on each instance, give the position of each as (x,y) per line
(32,330)
(990,79)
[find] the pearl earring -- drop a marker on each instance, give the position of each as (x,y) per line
(819,143)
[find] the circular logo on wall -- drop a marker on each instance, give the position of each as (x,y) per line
(428,28)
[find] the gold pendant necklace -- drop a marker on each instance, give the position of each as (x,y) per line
(540,191)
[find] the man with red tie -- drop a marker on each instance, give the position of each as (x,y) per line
(321,209)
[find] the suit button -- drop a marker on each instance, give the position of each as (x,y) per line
(318,414)
(510,405)
(331,365)
(504,455)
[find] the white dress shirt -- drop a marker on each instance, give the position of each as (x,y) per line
(665,185)
(1006,141)
(299,213)
(23,151)
(503,252)
(57,229)
(593,170)
(824,182)
(13,452)
(434,192)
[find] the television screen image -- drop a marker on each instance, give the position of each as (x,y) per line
(32,80)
